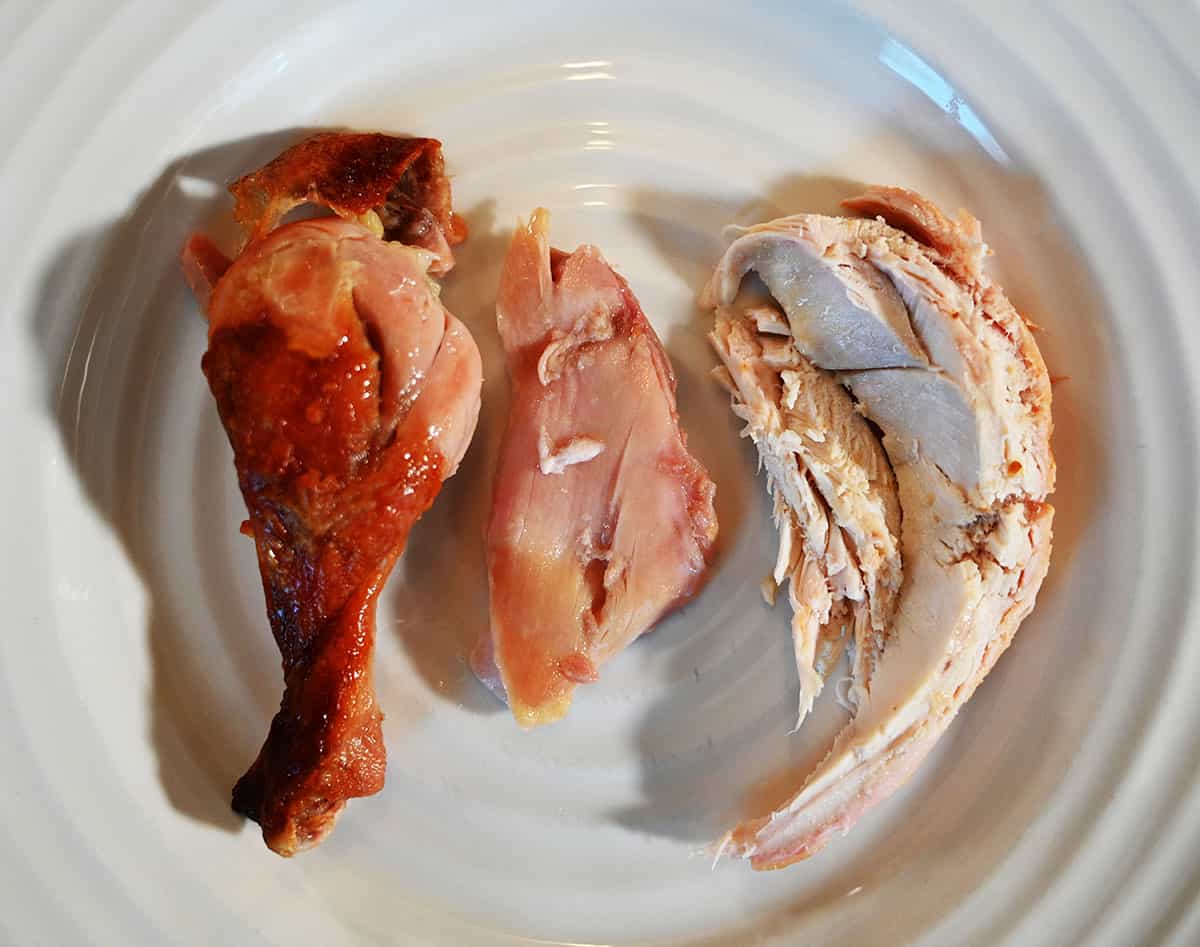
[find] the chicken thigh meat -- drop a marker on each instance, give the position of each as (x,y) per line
(602,521)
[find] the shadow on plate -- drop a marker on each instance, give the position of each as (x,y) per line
(102,439)
(103,347)
(441,606)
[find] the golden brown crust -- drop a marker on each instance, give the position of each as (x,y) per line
(330,494)
(403,180)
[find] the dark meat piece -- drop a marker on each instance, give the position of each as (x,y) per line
(602,521)
(402,180)
(349,394)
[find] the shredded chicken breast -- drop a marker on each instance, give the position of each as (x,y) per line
(896,307)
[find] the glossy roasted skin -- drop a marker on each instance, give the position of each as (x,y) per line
(602,521)
(348,394)
(401,181)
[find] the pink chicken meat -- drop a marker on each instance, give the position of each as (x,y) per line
(601,519)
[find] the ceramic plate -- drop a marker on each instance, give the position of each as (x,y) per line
(138,674)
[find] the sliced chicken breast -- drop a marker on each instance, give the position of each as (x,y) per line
(976,400)
(835,500)
(961,397)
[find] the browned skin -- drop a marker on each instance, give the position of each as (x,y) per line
(333,471)
(329,515)
(402,179)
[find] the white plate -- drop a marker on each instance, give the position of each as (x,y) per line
(138,673)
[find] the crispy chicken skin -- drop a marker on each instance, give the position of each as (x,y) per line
(401,181)
(349,394)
